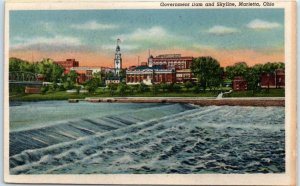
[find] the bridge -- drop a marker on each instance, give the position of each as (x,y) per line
(24,78)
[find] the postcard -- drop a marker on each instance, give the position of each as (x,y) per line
(150,92)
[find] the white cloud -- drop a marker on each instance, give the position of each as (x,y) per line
(222,30)
(46,43)
(93,25)
(155,36)
(258,24)
(142,39)
(153,33)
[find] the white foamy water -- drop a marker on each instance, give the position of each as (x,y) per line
(155,138)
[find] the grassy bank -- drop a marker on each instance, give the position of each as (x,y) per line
(261,93)
(62,95)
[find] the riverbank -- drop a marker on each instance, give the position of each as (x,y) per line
(204,101)
(62,95)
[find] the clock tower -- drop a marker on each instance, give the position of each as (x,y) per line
(118,59)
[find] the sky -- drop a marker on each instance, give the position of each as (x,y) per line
(228,35)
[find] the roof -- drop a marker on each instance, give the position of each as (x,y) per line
(113,78)
(155,67)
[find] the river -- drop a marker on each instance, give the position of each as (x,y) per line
(57,137)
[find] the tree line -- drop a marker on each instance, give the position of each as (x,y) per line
(210,75)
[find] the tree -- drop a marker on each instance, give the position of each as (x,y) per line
(72,76)
(122,87)
(109,75)
(238,69)
(92,84)
(143,87)
(269,68)
(57,73)
(100,75)
(52,72)
(68,85)
(112,88)
(122,73)
(16,64)
(188,85)
(131,89)
(155,89)
(253,77)
(176,87)
(207,70)
(164,86)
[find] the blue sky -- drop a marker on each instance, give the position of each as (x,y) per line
(194,31)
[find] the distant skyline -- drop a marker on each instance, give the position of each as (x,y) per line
(89,36)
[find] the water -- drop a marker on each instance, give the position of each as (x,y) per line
(100,138)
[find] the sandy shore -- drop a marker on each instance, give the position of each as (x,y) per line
(203,101)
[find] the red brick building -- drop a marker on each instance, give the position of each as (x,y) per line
(239,83)
(171,61)
(166,68)
(150,75)
(68,64)
(81,78)
(184,75)
(273,80)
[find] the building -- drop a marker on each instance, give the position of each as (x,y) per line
(114,80)
(273,80)
(118,59)
(81,78)
(85,73)
(171,61)
(166,68)
(67,64)
(184,75)
(150,75)
(32,90)
(239,83)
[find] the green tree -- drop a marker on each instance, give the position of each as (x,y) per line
(57,73)
(68,85)
(122,73)
(16,64)
(122,88)
(72,76)
(109,75)
(92,84)
(207,70)
(52,72)
(253,77)
(269,69)
(100,75)
(164,86)
(112,88)
(238,69)
(176,87)
(155,88)
(188,85)
(196,89)
(143,87)
(131,89)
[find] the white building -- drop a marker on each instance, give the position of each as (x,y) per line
(118,59)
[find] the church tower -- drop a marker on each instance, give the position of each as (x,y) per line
(118,59)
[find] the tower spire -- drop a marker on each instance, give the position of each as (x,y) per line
(118,58)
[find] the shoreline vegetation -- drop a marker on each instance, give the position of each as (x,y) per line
(274,97)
